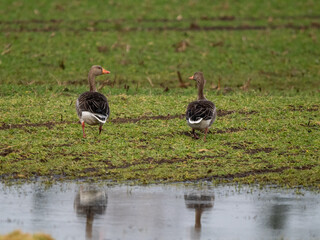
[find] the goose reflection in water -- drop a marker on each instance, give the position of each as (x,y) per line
(200,202)
(89,202)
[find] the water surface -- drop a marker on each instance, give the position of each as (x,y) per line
(178,211)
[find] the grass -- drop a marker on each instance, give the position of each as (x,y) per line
(49,43)
(270,59)
(256,139)
(261,62)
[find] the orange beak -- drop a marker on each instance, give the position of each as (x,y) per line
(105,71)
(191,77)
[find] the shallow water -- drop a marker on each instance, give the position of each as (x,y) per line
(84,211)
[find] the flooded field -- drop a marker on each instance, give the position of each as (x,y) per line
(176,211)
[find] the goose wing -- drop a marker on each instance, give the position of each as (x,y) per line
(201,110)
(93,102)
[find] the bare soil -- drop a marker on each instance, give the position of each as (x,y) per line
(55,25)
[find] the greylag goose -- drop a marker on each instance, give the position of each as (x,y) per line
(92,107)
(200,113)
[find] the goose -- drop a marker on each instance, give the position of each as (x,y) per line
(200,113)
(92,107)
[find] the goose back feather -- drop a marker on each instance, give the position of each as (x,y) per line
(93,102)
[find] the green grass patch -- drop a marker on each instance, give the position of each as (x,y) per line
(257,138)
(274,44)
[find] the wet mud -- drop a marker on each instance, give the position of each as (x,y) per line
(299,108)
(49,125)
(55,25)
(256,172)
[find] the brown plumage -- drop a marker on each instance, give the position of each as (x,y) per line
(200,113)
(92,107)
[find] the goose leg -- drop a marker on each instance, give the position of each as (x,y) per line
(100,129)
(82,124)
(194,134)
(205,134)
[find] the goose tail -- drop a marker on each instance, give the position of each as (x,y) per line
(194,122)
(101,118)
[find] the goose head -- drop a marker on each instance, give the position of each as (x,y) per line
(97,70)
(198,77)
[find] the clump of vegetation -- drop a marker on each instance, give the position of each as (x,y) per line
(18,235)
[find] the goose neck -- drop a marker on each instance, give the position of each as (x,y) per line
(200,91)
(92,84)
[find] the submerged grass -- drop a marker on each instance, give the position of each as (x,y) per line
(257,138)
